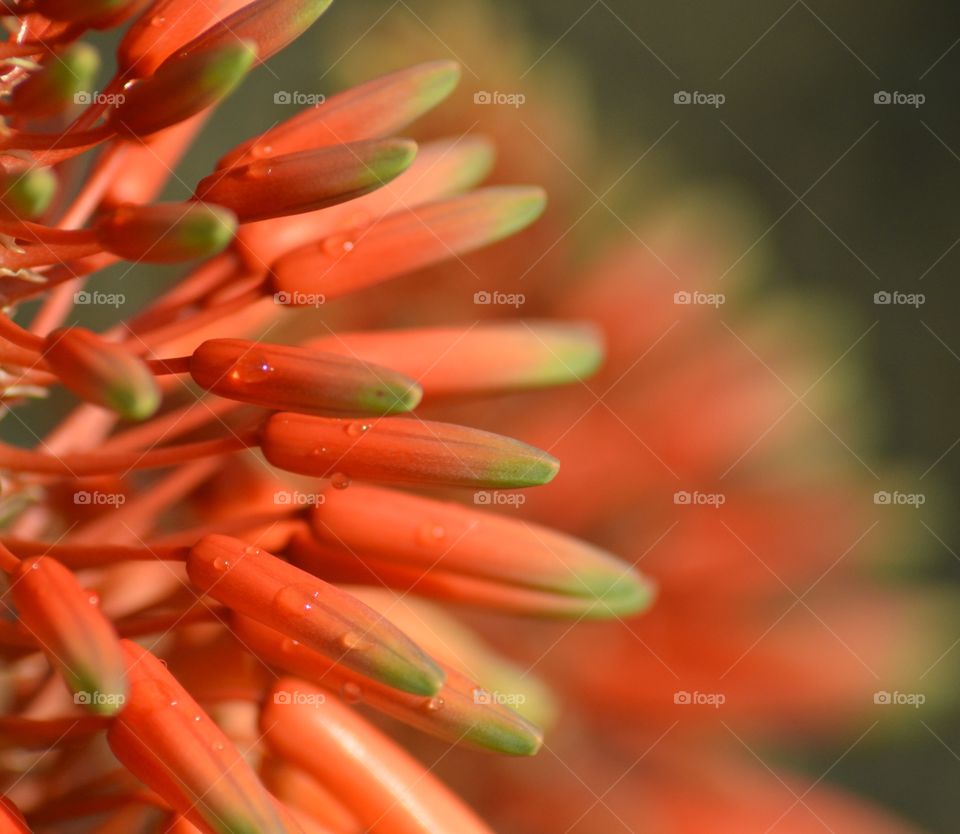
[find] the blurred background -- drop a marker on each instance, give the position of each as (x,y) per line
(833,128)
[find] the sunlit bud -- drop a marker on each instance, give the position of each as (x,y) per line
(87,12)
(307,180)
(26,194)
(268,24)
(378,108)
(181,88)
(56,85)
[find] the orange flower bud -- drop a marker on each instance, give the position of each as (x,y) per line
(459,713)
(298,379)
(372,110)
(403,450)
(75,636)
(407,240)
(288,599)
(482,358)
(307,180)
(88,12)
(181,88)
(165,232)
(268,24)
(474,556)
(53,87)
(168,742)
(102,372)
(387,789)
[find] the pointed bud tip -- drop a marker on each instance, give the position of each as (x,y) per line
(27,194)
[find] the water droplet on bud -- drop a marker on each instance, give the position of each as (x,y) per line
(338,480)
(356,429)
(435,703)
(431,534)
(351,693)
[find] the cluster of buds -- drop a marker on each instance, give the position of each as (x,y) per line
(223,677)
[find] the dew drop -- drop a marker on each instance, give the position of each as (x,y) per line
(94,598)
(294,601)
(158,20)
(435,703)
(351,693)
(351,641)
(252,550)
(338,480)
(431,534)
(338,245)
(221,564)
(259,170)
(357,429)
(218,746)
(289,645)
(251,368)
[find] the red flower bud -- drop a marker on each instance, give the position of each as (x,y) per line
(369,111)
(407,240)
(102,372)
(76,637)
(165,232)
(168,742)
(268,24)
(308,180)
(181,88)
(255,583)
(402,450)
(299,379)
